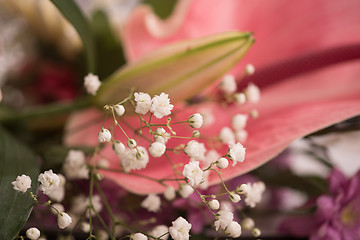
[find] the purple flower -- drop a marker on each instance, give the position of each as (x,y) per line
(338,213)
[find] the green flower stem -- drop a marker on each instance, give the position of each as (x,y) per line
(44,111)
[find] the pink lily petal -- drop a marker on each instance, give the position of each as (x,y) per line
(282,28)
(288,110)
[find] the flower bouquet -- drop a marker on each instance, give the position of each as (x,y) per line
(158,119)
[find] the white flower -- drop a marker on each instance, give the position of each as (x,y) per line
(239,98)
(222,163)
(102,235)
(143,102)
(92,83)
(241,135)
(33,233)
(193,173)
(243,188)
(118,147)
(59,193)
(227,136)
(162,136)
(22,183)
(195,150)
(214,204)
(64,220)
(131,143)
(234,197)
(119,109)
(228,84)
(239,121)
(248,223)
(80,203)
(160,105)
(233,230)
(59,208)
(236,153)
(160,231)
(138,236)
(157,149)
(49,181)
(224,219)
(152,203)
(85,227)
(170,193)
(104,136)
(180,229)
(254,193)
(75,166)
(249,69)
(252,93)
(205,182)
(135,159)
(185,190)
(256,232)
(196,120)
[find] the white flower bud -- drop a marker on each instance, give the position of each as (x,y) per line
(239,98)
(85,227)
(131,143)
(118,147)
(138,236)
(233,230)
(228,84)
(195,150)
(160,230)
(64,220)
(185,191)
(214,204)
(195,134)
(170,193)
(234,197)
(227,136)
(33,233)
(152,203)
(222,163)
(59,208)
(252,93)
(104,136)
(249,69)
(195,120)
(22,183)
(256,232)
(239,121)
(119,109)
(248,223)
(157,149)
(243,188)
(92,83)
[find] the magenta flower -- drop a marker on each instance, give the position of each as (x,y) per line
(293,39)
(338,214)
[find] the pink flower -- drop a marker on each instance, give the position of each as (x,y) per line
(293,39)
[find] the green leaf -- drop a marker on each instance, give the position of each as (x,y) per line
(109,52)
(162,8)
(15,207)
(74,15)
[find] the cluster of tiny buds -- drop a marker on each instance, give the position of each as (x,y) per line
(250,94)
(52,185)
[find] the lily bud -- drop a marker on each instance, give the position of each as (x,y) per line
(196,63)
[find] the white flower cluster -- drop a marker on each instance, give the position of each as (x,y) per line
(52,185)
(92,83)
(159,105)
(224,221)
(75,165)
(193,173)
(250,94)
